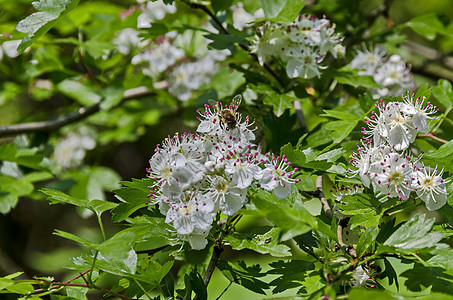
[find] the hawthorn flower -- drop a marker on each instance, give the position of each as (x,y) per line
(197,239)
(401,131)
(189,76)
(227,196)
(430,187)
(198,212)
(9,48)
(71,149)
(152,11)
(242,18)
(243,171)
(276,176)
(158,58)
(302,45)
(361,277)
(200,175)
(419,111)
(391,73)
(393,176)
(368,61)
(126,40)
(383,161)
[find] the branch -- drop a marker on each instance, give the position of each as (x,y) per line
(53,124)
(212,264)
(322,198)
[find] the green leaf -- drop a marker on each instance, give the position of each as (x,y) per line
(76,239)
(38,23)
(292,218)
(197,285)
(441,156)
(366,241)
(120,267)
(118,245)
(284,11)
(279,102)
(220,5)
(291,274)
(365,220)
(264,240)
(359,203)
(443,92)
(414,235)
(132,200)
(296,157)
(112,96)
(225,82)
(243,275)
(11,189)
(222,41)
(350,77)
(83,94)
(96,206)
(428,26)
(153,273)
(443,258)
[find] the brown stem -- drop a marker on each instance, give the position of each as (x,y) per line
(53,124)
(67,281)
(212,264)
(322,198)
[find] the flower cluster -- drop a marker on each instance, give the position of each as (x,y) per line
(71,149)
(153,11)
(198,175)
(302,45)
(390,72)
(382,161)
(165,58)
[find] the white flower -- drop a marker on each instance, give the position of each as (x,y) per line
(360,277)
(302,45)
(154,10)
(226,195)
(367,62)
(304,64)
(126,40)
(391,72)
(430,187)
(198,212)
(276,177)
(243,171)
(401,131)
(70,151)
(158,58)
(190,76)
(392,176)
(10,48)
(241,18)
(419,111)
(197,239)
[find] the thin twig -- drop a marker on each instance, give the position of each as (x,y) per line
(53,124)
(84,286)
(322,198)
(433,137)
(67,281)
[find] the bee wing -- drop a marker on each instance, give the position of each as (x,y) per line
(236,101)
(213,103)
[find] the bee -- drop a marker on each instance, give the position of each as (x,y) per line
(227,115)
